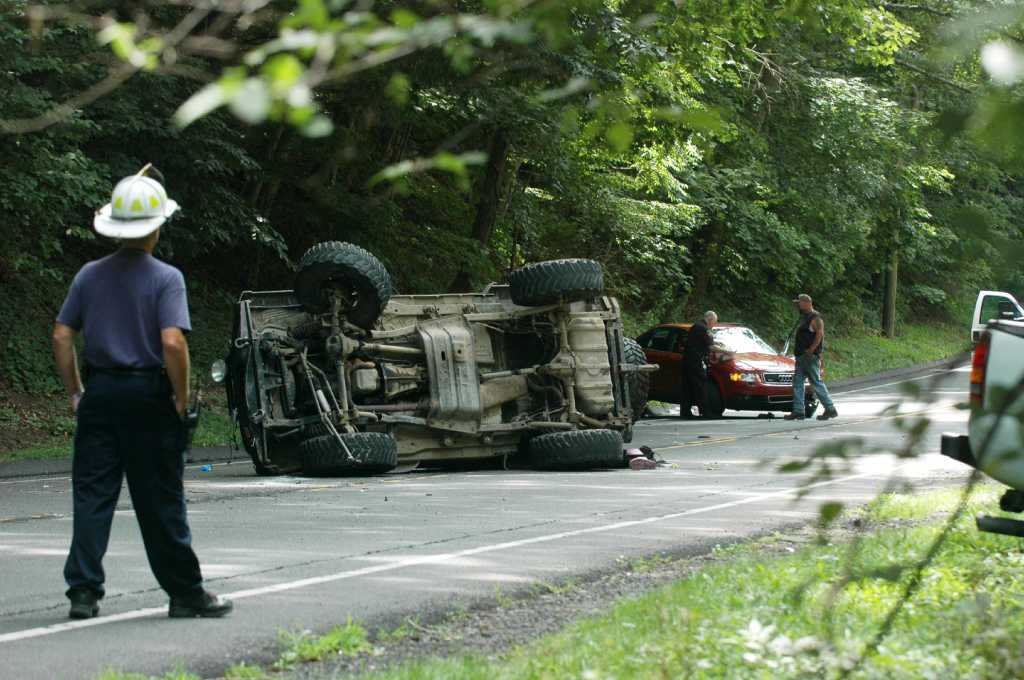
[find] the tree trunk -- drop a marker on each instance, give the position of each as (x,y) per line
(889,304)
(490,200)
(258,185)
(706,255)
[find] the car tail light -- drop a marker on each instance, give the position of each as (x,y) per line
(979,364)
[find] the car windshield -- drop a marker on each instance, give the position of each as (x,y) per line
(739,339)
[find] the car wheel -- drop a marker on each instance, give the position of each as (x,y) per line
(810,407)
(577,450)
(715,402)
(545,283)
(360,277)
(639,384)
(374,453)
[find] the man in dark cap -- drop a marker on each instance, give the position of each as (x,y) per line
(810,343)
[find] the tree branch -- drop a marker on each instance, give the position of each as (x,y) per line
(899,7)
(62,111)
(934,76)
(114,79)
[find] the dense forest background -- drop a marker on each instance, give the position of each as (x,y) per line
(718,154)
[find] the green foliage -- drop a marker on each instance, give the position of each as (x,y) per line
(868,352)
(303,647)
(708,154)
(43,452)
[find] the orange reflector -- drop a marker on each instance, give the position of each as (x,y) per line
(979,364)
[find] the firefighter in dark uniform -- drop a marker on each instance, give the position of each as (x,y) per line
(132,312)
(696,351)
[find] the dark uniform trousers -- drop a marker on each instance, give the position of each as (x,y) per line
(127,426)
(694,388)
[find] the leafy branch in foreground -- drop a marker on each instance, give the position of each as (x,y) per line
(841,454)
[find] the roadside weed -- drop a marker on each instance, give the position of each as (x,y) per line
(406,630)
(243,671)
(303,647)
(503,599)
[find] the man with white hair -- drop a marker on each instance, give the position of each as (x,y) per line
(696,349)
(132,312)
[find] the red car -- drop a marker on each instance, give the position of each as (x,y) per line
(749,375)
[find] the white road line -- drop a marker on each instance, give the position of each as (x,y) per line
(441,558)
(898,382)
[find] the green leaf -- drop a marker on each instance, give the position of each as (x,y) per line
(398,89)
(828,512)
(404,18)
(203,102)
(251,103)
(620,136)
(318,126)
(795,466)
(283,71)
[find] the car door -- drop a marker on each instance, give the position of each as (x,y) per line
(661,348)
(993,304)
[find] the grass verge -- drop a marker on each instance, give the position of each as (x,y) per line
(785,617)
(866,354)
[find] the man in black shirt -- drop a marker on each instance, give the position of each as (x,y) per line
(695,366)
(810,342)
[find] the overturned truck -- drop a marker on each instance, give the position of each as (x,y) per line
(340,376)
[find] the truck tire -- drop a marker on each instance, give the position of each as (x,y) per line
(375,453)
(314,430)
(334,265)
(639,384)
(577,450)
(715,402)
(545,283)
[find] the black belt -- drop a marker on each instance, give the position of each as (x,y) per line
(123,371)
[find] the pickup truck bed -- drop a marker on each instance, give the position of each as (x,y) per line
(994,443)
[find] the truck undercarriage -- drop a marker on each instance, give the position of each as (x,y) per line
(339,376)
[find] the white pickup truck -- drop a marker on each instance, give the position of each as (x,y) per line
(995,440)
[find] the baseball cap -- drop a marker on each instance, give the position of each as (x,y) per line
(802,297)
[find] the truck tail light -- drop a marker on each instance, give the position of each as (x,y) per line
(979,364)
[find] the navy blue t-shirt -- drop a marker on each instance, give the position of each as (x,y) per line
(121,303)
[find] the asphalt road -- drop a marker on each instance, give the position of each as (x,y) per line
(299,553)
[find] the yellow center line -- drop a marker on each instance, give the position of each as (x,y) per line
(703,442)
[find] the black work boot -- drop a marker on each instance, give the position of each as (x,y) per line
(85,603)
(205,605)
(794,416)
(829,414)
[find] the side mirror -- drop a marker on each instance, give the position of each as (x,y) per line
(218,371)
